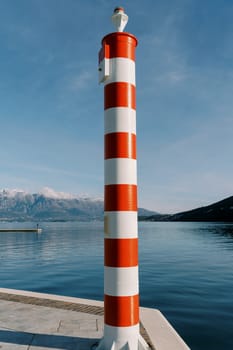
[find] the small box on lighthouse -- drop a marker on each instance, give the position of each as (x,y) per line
(104,67)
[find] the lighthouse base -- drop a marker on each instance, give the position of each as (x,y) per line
(122,338)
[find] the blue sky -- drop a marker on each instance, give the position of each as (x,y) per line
(51,106)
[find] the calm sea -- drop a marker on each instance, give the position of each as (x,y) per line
(186,271)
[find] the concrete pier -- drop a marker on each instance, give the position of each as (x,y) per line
(36,321)
(38,230)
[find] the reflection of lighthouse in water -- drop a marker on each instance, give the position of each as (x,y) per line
(121,293)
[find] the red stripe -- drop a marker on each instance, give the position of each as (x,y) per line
(121,252)
(120,145)
(120,197)
(119,94)
(121,311)
(121,45)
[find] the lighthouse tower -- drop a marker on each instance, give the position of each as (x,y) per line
(121,292)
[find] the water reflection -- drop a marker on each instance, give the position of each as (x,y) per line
(223,234)
(222,230)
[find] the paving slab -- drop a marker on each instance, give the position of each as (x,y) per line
(27,326)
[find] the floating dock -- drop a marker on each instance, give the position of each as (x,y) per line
(38,230)
(31,321)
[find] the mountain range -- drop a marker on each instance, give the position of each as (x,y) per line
(48,205)
(219,211)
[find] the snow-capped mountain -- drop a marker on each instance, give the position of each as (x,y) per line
(47,205)
(50,205)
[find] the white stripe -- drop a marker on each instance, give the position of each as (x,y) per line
(124,337)
(121,224)
(120,119)
(120,171)
(121,70)
(121,281)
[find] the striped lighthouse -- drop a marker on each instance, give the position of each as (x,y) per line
(121,292)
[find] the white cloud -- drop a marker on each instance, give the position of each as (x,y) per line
(50,193)
(81,81)
(173,76)
(12,192)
